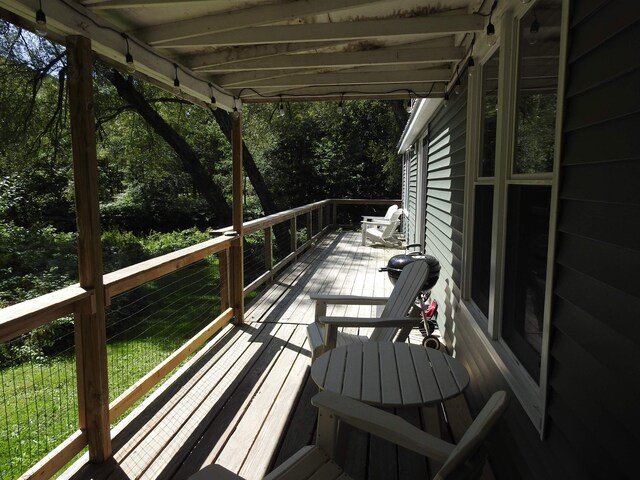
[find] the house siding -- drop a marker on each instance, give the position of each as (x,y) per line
(593,419)
(412,198)
(594,386)
(445,172)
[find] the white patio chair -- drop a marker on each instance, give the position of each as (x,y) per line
(462,461)
(393,323)
(383,232)
(386,217)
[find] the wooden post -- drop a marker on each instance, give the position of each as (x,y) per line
(237,258)
(90,330)
(309,226)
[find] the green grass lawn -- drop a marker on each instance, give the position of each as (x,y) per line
(39,406)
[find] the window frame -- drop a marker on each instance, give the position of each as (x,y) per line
(531,394)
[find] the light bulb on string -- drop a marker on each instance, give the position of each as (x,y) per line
(41,22)
(214,104)
(409,106)
(446,99)
(456,89)
(471,66)
(128,58)
(176,80)
(491,34)
(281,109)
(534,29)
(340,108)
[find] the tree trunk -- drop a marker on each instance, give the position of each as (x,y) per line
(211,192)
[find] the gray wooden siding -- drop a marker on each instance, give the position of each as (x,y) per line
(593,413)
(594,383)
(444,202)
(412,197)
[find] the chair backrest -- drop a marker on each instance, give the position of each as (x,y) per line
(391,227)
(390,211)
(469,455)
(404,294)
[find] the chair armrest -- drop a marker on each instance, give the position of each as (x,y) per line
(369,322)
(371,219)
(383,424)
(347,299)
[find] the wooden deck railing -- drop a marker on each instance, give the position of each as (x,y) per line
(317,218)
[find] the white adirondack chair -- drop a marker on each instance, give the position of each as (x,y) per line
(383,232)
(462,461)
(393,323)
(387,216)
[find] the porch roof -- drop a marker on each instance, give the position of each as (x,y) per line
(272,50)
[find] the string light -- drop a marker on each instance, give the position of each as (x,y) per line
(446,99)
(456,89)
(41,22)
(214,104)
(409,106)
(176,80)
(340,107)
(128,58)
(491,29)
(281,108)
(534,29)
(471,63)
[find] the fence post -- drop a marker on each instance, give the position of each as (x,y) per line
(237,255)
(90,328)
(309,225)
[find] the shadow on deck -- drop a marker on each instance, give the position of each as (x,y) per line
(244,400)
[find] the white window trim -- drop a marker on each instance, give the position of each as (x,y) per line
(531,395)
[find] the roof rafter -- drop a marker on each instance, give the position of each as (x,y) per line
(345,93)
(344,31)
(374,78)
(243,18)
(383,56)
(115,4)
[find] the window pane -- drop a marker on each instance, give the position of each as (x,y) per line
(489,110)
(525,272)
(537,85)
(481,269)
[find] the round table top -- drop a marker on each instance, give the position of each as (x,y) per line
(390,374)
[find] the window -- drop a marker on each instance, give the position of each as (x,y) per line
(483,195)
(515,149)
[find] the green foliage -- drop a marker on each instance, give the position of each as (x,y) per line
(536,133)
(314,152)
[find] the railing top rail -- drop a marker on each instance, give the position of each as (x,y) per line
(270,220)
(25,316)
(367,201)
(134,275)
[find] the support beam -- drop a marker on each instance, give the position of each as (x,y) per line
(372,78)
(241,19)
(90,330)
(343,31)
(237,255)
(383,56)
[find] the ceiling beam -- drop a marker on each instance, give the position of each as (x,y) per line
(229,55)
(323,79)
(116,4)
(344,31)
(337,93)
(383,56)
(240,19)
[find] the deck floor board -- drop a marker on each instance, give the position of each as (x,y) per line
(244,400)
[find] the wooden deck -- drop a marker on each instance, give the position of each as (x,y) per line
(243,401)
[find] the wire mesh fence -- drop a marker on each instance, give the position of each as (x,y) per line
(281,241)
(39,407)
(148,323)
(254,256)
